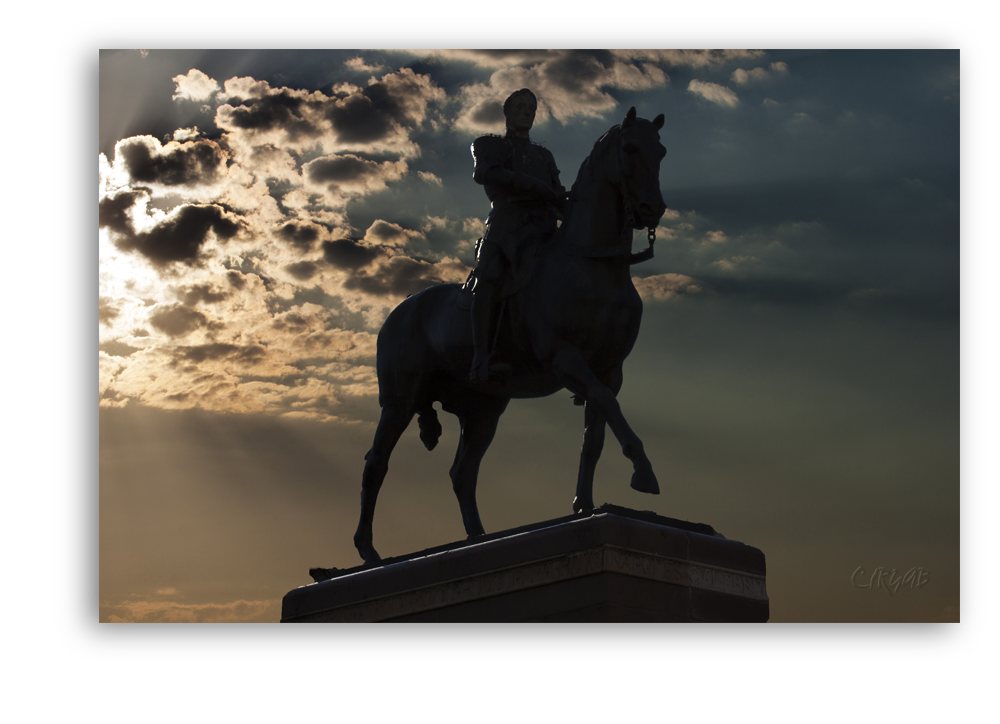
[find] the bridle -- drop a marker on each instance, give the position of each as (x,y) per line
(625,247)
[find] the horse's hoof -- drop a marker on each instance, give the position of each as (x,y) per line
(323,574)
(645,482)
(582,506)
(369,555)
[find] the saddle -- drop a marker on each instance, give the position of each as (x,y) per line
(520,271)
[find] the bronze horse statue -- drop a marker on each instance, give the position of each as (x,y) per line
(571,326)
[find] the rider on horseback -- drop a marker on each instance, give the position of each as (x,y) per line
(522,182)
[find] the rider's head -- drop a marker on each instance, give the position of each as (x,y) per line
(519,110)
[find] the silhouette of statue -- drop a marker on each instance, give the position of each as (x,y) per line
(571,324)
(522,184)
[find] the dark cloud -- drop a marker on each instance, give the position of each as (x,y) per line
(178,320)
(106,311)
(358,120)
(251,354)
(301,236)
(488,113)
(384,111)
(235,279)
(302,270)
(195,163)
(117,349)
(397,276)
(279,109)
(578,72)
(292,321)
(398,101)
(179,237)
(350,254)
(113,211)
(340,169)
(203,293)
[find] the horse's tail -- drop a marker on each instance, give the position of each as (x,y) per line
(430,426)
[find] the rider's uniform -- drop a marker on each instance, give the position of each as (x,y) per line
(516,221)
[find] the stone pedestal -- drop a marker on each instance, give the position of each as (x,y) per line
(615,564)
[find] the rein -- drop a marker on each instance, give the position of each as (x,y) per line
(617,250)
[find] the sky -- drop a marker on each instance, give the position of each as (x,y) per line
(796,379)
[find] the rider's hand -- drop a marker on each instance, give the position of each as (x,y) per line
(531,186)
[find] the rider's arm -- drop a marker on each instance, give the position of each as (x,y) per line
(519,184)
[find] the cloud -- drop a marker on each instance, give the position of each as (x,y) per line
(186,134)
(666,286)
(106,312)
(674,58)
(690,58)
(177,320)
(177,237)
(743,77)
(194,86)
(340,177)
(350,254)
(385,233)
(714,92)
(246,359)
(358,64)
(189,164)
(733,263)
(302,235)
(567,83)
(489,58)
(160,611)
(715,236)
(398,276)
(376,119)
(428,177)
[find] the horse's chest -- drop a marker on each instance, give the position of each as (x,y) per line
(604,323)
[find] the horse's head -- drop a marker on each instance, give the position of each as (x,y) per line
(640,153)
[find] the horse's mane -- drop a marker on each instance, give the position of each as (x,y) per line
(586,173)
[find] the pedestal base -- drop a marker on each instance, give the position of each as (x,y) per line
(615,564)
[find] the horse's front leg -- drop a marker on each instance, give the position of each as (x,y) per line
(572,368)
(593,443)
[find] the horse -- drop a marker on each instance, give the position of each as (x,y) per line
(570,326)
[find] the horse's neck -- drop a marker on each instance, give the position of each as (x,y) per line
(597,215)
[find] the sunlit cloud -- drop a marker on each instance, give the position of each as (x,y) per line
(666,286)
(743,77)
(375,119)
(714,92)
(162,611)
(194,86)
(567,84)
(691,58)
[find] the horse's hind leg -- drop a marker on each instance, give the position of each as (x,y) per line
(570,365)
(479,424)
(391,425)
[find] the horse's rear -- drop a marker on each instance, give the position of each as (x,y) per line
(424,338)
(424,354)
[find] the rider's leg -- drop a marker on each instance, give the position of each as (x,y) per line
(488,272)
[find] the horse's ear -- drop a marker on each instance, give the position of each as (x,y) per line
(658,122)
(629,117)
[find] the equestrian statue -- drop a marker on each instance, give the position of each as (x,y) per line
(552,307)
